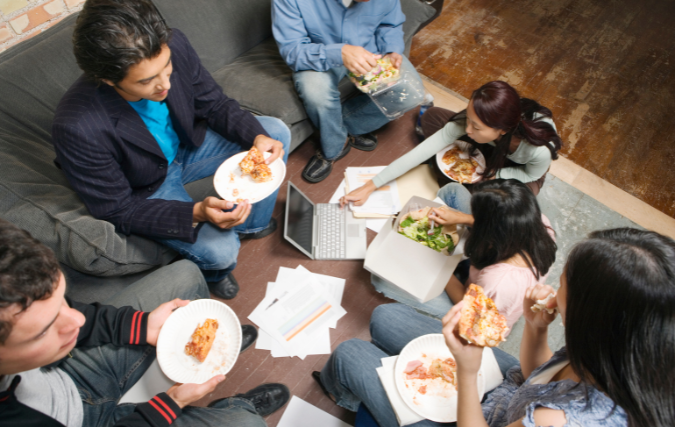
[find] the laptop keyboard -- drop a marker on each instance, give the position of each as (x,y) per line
(331,225)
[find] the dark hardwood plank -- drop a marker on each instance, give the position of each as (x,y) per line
(605,69)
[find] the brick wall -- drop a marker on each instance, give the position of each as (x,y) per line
(22,19)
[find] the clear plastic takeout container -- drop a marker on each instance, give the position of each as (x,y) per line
(397,94)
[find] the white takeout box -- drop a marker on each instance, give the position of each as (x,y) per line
(413,267)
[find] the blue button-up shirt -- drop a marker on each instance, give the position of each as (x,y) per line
(310,33)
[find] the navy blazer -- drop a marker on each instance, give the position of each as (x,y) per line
(114,163)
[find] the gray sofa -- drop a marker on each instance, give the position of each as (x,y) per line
(234,41)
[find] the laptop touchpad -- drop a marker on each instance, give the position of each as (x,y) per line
(353,230)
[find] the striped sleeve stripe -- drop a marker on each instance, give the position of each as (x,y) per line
(138,327)
(165,406)
(133,327)
(166,417)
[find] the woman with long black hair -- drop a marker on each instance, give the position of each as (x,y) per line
(616,300)
(511,245)
(517,135)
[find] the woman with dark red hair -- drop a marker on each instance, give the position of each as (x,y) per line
(516,135)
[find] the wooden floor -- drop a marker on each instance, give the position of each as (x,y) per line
(605,68)
(259,261)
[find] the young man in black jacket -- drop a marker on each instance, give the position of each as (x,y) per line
(67,363)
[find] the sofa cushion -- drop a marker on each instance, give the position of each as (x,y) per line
(219,30)
(34,194)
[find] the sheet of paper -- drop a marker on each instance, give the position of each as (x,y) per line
(385,200)
(294,315)
(320,344)
(299,413)
(403,413)
(338,193)
(376,224)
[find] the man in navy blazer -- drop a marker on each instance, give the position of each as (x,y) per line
(145,119)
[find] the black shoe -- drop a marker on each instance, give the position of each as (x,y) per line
(317,377)
(248,336)
(227,288)
(271,228)
(365,142)
(319,167)
(267,398)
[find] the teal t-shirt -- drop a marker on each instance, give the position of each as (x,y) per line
(156,117)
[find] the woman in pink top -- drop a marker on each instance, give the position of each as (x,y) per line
(511,246)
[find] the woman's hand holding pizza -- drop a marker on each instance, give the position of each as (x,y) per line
(541,319)
(467,356)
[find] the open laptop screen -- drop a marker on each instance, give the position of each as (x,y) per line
(299,219)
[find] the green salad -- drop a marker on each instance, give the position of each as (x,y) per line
(417,231)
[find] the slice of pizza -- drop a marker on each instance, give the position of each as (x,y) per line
(202,340)
(451,156)
(252,158)
(464,170)
(261,173)
(480,322)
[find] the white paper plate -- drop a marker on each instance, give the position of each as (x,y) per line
(177,331)
(443,167)
(230,171)
(439,404)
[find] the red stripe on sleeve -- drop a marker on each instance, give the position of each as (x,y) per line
(133,327)
(154,405)
(138,328)
(165,406)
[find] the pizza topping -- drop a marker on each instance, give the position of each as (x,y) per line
(261,173)
(452,155)
(481,323)
(202,340)
(254,165)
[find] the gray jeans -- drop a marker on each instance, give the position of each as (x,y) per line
(104,374)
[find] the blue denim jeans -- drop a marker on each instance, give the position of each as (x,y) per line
(321,97)
(215,250)
(350,375)
(456,196)
(104,374)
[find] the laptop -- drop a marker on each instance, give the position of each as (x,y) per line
(323,231)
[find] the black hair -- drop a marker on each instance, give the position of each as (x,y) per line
(112,35)
(499,106)
(29,272)
(507,222)
(620,320)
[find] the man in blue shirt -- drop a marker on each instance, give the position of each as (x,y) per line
(322,40)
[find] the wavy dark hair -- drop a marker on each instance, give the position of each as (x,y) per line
(29,272)
(620,320)
(499,106)
(112,35)
(507,222)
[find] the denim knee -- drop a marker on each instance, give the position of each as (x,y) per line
(382,317)
(316,89)
(277,129)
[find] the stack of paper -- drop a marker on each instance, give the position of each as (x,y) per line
(384,201)
(297,313)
